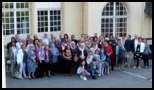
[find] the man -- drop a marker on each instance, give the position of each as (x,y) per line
(73,39)
(19,43)
(61,37)
(46,39)
(82,35)
(28,37)
(16,37)
(134,43)
(129,49)
(95,35)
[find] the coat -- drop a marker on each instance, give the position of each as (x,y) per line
(50,56)
(20,56)
(11,54)
(55,54)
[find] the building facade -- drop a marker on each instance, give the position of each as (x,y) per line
(107,18)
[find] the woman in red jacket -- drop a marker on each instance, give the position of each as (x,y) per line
(108,51)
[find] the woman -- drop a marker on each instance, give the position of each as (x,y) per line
(22,59)
(28,44)
(107,51)
(65,38)
(120,55)
(67,60)
(58,43)
(48,60)
(61,49)
(13,57)
(146,53)
(82,54)
(112,55)
(55,54)
(139,49)
(40,55)
(94,47)
(36,44)
(31,62)
(74,55)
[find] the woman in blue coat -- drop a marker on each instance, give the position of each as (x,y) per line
(55,53)
(31,62)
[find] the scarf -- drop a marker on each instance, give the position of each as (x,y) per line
(41,52)
(82,51)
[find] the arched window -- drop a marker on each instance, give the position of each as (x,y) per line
(114,19)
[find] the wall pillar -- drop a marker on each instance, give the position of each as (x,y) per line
(3,64)
(33,18)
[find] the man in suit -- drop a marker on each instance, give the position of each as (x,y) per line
(134,43)
(73,39)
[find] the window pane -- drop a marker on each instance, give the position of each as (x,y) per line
(59,23)
(51,12)
(18,5)
(22,5)
(51,18)
(46,29)
(59,28)
(46,23)
(51,29)
(42,29)
(26,5)
(11,5)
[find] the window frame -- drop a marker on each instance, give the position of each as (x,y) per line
(114,17)
(15,10)
(51,9)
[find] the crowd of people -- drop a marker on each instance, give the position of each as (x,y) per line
(90,56)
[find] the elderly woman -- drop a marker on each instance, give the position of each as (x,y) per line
(146,53)
(120,55)
(48,60)
(74,55)
(82,54)
(22,59)
(13,57)
(55,54)
(31,62)
(40,55)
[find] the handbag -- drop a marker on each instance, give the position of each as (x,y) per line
(18,75)
(8,61)
(76,58)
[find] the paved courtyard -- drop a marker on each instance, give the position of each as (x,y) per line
(130,78)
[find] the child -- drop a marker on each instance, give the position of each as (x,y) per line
(97,56)
(93,69)
(89,57)
(103,64)
(82,71)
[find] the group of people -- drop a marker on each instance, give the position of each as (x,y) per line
(38,57)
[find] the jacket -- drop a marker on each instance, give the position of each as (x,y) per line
(129,45)
(91,67)
(20,56)
(141,47)
(54,57)
(11,54)
(49,56)
(117,49)
(108,50)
